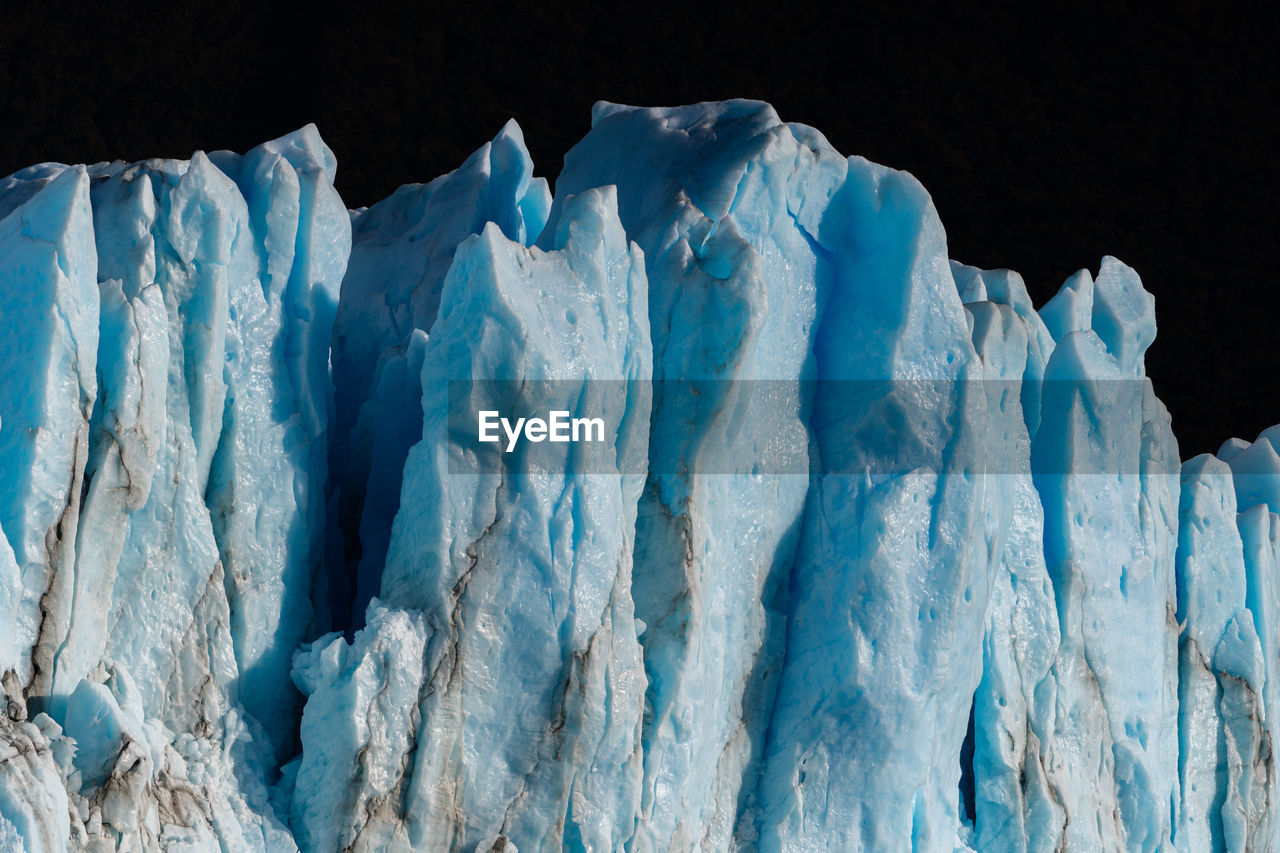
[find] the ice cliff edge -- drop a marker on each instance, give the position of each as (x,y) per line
(874,554)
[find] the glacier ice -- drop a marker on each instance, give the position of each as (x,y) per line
(169,529)
(401,250)
(875,555)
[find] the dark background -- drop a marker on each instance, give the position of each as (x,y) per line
(1048,138)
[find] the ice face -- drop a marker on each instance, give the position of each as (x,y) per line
(403,247)
(266,493)
(733,297)
(49,349)
(175,520)
(1107,471)
(871,554)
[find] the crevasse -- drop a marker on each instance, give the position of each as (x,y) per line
(947,587)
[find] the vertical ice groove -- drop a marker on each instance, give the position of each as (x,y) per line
(266,494)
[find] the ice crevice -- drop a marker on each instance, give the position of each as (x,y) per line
(875,554)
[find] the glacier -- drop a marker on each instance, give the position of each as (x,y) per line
(876,554)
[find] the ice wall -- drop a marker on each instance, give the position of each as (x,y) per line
(873,555)
(169,513)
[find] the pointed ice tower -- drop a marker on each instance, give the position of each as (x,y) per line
(1106,467)
(391,293)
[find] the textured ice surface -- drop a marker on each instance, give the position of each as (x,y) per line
(733,290)
(402,249)
(913,566)
(166,397)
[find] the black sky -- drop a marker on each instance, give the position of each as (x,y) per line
(1047,138)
